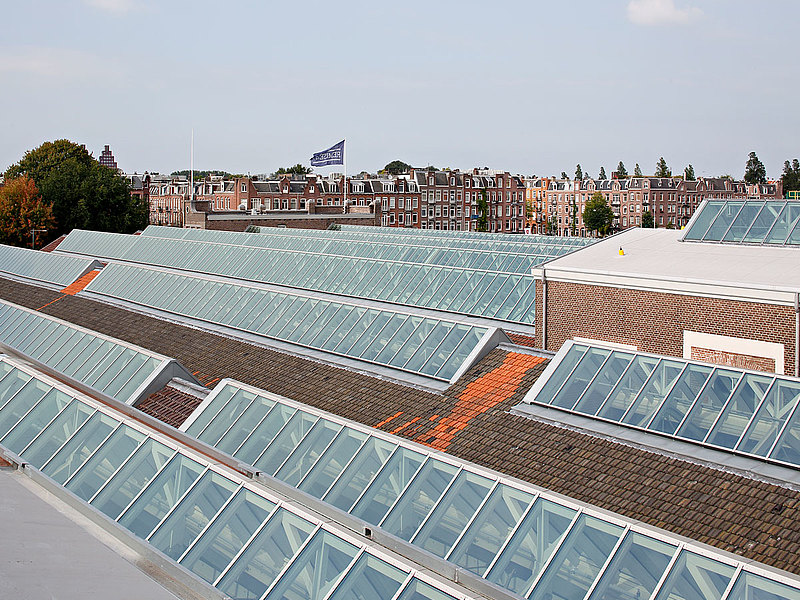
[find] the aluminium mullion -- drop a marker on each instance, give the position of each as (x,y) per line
(495,485)
(570,372)
(302,439)
(44,338)
(408,339)
(370,482)
(499,288)
(671,565)
(696,399)
(410,280)
(234,422)
(755,219)
(321,454)
(124,462)
(510,536)
(107,369)
(755,412)
(335,583)
(736,574)
(436,504)
(8,374)
(257,458)
(783,428)
(342,307)
(774,223)
(216,414)
(70,342)
(405,489)
(38,435)
(96,450)
(591,381)
(20,333)
(162,365)
(260,421)
(625,532)
(653,374)
(78,430)
(433,350)
(275,510)
(363,333)
(546,564)
(99,345)
(178,502)
(616,385)
(211,521)
(290,562)
(27,412)
(389,341)
(344,467)
(522,297)
(711,224)
(741,208)
(722,410)
(147,485)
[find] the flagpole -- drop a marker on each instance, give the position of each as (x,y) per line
(344,160)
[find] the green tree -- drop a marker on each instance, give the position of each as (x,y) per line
(297,169)
(397,167)
(201,174)
(622,172)
(754,171)
(21,211)
(81,192)
(564,175)
(648,222)
(791,176)
(662,170)
(597,215)
(578,172)
(688,173)
(602,175)
(482,223)
(637,171)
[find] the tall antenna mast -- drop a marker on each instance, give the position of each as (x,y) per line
(191,171)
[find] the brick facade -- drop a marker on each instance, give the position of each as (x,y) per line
(655,321)
(732,359)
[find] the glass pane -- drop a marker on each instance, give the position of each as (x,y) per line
(788,447)
(754,587)
(739,411)
(220,400)
(132,478)
(743,222)
(696,577)
(229,413)
(723,221)
(419,590)
(319,565)
(776,408)
(606,379)
(559,376)
(374,341)
(420,334)
(227,536)
(36,420)
(784,224)
(75,452)
(359,473)
(579,379)
(459,355)
(703,220)
(763,222)
(264,433)
(333,462)
(635,570)
(12,382)
(369,579)
(59,431)
(438,347)
(578,561)
(452,513)
(490,529)
(307,453)
(680,399)
(259,565)
(709,404)
(532,545)
(285,442)
(185,523)
(245,424)
(387,486)
(102,465)
(654,392)
(160,496)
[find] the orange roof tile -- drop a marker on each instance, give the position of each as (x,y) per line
(79,284)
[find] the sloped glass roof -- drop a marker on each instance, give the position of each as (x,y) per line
(534,544)
(234,535)
(487,294)
(46,267)
(735,410)
(111,366)
(769,223)
(430,347)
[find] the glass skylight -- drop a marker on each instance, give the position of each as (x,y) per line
(429,347)
(771,222)
(532,543)
(729,409)
(47,267)
(111,366)
(234,535)
(469,291)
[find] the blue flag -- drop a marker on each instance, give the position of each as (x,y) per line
(332,156)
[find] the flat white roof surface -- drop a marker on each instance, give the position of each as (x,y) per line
(657,254)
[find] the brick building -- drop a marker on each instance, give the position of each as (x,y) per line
(107,158)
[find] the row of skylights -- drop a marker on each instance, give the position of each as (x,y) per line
(43,266)
(772,222)
(519,262)
(499,296)
(232,534)
(111,366)
(424,346)
(534,544)
(725,408)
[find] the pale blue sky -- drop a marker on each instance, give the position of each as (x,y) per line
(530,87)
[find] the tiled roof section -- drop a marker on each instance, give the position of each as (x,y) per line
(170,405)
(4,463)
(54,244)
(522,340)
(80,283)
(755,519)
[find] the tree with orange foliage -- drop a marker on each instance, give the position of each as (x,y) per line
(22,210)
